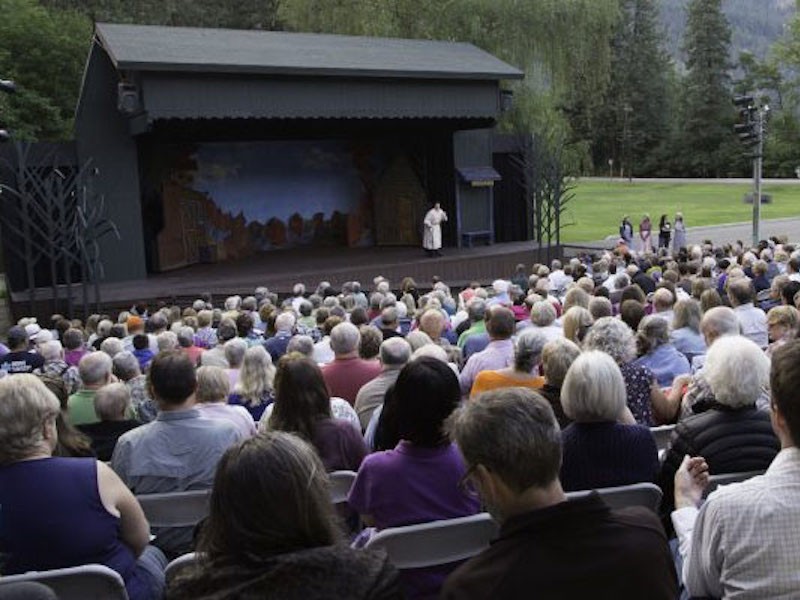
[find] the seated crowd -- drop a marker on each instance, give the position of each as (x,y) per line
(501,398)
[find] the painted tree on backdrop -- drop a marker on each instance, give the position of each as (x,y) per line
(706,146)
(633,125)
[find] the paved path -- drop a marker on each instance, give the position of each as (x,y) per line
(731,232)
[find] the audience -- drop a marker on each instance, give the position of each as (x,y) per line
(548,547)
(272,532)
(742,541)
(254,388)
(417,481)
(112,405)
(732,434)
(65,512)
(303,407)
(720,399)
(657,353)
(213,387)
(600,448)
(347,373)
(179,450)
(95,372)
(525,370)
(394,354)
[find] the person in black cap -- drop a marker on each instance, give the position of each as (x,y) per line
(20,359)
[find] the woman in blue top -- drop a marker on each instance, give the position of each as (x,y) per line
(64,512)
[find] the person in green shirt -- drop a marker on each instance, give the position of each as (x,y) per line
(476,311)
(95,371)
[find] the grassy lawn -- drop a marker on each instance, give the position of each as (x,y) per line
(598,207)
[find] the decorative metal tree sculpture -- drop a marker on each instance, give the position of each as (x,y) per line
(53,215)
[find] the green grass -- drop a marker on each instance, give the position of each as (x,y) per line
(598,206)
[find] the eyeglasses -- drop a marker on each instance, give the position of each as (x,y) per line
(466,485)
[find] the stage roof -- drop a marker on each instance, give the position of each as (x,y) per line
(185,49)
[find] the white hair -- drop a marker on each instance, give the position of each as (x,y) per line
(50,350)
(284,321)
(167,340)
(594,389)
(613,337)
(737,371)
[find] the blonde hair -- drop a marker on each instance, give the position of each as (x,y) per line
(256,377)
(577,321)
(25,406)
(213,384)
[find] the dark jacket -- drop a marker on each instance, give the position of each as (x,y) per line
(731,441)
(575,549)
(644,281)
(313,574)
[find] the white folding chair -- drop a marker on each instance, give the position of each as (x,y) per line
(86,582)
(714,481)
(341,482)
(179,564)
(637,494)
(175,509)
(436,543)
(662,435)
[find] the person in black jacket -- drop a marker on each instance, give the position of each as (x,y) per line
(272,533)
(731,433)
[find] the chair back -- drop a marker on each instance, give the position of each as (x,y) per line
(86,582)
(714,481)
(436,543)
(175,509)
(637,494)
(662,435)
(341,482)
(180,564)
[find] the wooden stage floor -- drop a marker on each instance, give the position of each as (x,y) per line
(280,270)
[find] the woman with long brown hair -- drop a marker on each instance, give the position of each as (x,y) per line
(272,532)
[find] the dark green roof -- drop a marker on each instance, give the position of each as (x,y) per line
(152,48)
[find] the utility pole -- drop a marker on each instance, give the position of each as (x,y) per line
(751,131)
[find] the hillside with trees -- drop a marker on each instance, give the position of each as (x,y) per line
(602,84)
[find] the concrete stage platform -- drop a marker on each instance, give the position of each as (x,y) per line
(280,270)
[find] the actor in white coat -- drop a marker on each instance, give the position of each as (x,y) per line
(432,237)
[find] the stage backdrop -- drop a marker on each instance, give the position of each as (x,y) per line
(221,201)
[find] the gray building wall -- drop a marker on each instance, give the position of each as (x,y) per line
(102,135)
(473,149)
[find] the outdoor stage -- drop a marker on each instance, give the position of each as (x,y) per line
(280,270)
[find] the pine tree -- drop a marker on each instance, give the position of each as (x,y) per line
(635,118)
(708,147)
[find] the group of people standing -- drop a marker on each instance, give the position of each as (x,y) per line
(665,233)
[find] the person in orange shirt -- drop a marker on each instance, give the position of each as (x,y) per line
(525,370)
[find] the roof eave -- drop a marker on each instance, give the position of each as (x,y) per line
(228,69)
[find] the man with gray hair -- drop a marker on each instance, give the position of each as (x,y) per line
(112,404)
(498,354)
(543,318)
(753,320)
(388,323)
(511,446)
(476,313)
(284,329)
(95,372)
(663,303)
(394,354)
(347,373)
(127,369)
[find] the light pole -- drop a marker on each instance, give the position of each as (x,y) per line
(751,133)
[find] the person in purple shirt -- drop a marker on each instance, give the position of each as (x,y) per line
(498,354)
(417,481)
